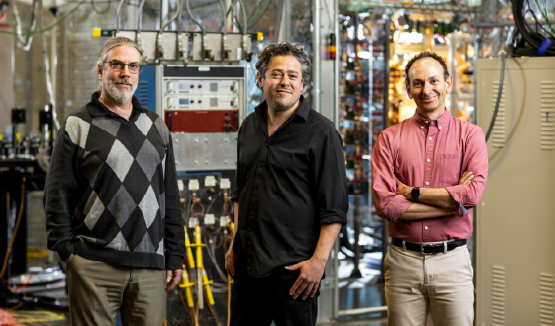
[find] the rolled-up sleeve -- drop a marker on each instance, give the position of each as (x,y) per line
(475,160)
(388,204)
(331,180)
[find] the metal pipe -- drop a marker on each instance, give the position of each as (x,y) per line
(336,99)
(203,31)
(244,17)
(140,16)
(316,35)
(53,58)
(224,13)
(179,2)
(277,29)
(387,30)
(118,15)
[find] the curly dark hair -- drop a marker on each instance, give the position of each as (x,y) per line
(427,54)
(282,49)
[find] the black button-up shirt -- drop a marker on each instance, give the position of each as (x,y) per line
(288,185)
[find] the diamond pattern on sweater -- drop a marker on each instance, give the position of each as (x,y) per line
(134,230)
(124,166)
(144,123)
(109,125)
(106,229)
(136,182)
(78,130)
(146,160)
(118,243)
(160,250)
(162,201)
(149,207)
(122,206)
(93,210)
(120,160)
(99,142)
(145,245)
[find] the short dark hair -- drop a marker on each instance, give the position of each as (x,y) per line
(427,54)
(283,49)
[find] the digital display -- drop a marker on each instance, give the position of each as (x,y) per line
(183,101)
(183,86)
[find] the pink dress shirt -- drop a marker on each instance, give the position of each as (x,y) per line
(429,154)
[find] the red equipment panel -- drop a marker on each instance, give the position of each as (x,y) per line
(201,121)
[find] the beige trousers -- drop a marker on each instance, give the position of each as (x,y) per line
(99,291)
(441,282)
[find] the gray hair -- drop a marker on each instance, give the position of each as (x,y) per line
(108,46)
(283,49)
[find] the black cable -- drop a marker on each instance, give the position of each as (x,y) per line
(534,39)
(536,19)
(499,93)
(537,22)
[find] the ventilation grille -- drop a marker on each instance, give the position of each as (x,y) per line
(547,115)
(142,92)
(498,296)
(498,134)
(546,299)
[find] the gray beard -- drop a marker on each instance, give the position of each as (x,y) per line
(120,96)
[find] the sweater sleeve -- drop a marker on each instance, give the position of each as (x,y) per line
(174,233)
(61,195)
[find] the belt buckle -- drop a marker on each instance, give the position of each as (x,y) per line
(422,249)
(426,245)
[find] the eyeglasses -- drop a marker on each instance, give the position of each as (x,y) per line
(134,68)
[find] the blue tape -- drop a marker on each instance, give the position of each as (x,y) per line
(545,44)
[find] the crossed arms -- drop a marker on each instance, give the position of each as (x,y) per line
(433,201)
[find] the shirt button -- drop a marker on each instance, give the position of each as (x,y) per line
(439,127)
(421,127)
(428,160)
(427,183)
(426,227)
(427,121)
(430,138)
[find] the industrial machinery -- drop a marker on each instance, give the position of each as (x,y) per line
(202,106)
(515,269)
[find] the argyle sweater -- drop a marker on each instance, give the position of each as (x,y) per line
(111,191)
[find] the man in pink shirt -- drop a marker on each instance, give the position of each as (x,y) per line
(427,174)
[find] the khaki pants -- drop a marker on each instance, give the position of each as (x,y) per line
(441,282)
(99,291)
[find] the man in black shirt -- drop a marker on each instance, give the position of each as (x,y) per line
(290,199)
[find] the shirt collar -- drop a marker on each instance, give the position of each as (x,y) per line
(302,111)
(424,123)
(98,109)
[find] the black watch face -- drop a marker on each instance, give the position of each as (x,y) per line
(415,193)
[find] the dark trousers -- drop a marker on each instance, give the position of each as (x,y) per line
(257,301)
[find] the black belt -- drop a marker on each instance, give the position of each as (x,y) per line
(429,248)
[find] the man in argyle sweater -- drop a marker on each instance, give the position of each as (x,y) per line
(112,202)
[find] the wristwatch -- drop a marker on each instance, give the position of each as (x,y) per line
(415,192)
